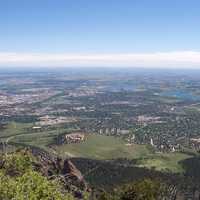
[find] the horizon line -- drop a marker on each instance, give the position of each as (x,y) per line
(172,59)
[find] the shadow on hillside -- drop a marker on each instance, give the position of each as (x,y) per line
(192,167)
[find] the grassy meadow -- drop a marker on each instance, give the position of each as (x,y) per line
(94,147)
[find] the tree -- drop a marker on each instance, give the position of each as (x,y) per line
(143,190)
(19,181)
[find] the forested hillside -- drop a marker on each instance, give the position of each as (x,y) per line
(34,174)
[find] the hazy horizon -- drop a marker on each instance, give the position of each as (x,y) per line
(145,34)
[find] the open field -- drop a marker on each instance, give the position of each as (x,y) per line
(13,129)
(103,147)
(94,147)
(24,134)
(108,147)
(164,162)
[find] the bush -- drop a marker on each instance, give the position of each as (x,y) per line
(30,186)
(18,181)
(17,163)
(143,190)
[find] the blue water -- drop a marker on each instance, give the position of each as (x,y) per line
(184,95)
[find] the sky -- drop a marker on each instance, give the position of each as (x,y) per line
(116,33)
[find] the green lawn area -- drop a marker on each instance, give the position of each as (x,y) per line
(94,147)
(39,139)
(23,133)
(164,161)
(109,147)
(14,128)
(102,147)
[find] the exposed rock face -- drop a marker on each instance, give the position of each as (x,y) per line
(76,137)
(60,169)
(69,168)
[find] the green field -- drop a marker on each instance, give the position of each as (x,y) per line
(13,129)
(23,133)
(94,147)
(102,147)
(108,147)
(164,162)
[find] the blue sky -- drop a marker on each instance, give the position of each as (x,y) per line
(91,27)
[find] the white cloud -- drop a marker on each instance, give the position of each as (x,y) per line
(159,59)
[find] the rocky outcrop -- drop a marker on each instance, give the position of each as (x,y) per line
(60,169)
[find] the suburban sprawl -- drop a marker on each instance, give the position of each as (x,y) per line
(149,120)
